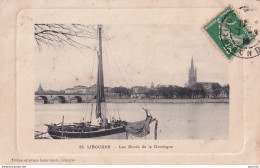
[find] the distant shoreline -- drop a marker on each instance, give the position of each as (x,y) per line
(161,101)
(172,101)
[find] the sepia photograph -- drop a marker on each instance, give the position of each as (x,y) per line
(91,82)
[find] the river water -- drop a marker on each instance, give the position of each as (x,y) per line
(176,121)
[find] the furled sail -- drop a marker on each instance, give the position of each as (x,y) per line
(139,128)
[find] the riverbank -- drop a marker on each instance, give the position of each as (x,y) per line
(172,101)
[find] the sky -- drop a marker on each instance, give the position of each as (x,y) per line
(136,55)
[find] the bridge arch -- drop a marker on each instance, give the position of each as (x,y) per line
(77,98)
(44,98)
(62,99)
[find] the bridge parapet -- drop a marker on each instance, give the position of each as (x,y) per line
(64,98)
(59,93)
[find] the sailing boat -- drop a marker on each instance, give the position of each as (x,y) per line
(115,129)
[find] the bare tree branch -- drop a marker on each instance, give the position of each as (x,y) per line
(61,35)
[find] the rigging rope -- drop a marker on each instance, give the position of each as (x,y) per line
(86,105)
(108,45)
(110,80)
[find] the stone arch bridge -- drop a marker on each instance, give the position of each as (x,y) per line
(65,98)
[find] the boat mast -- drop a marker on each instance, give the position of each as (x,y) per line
(100,106)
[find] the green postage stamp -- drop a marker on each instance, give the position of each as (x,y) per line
(229,32)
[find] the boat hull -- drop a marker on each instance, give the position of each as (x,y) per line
(112,133)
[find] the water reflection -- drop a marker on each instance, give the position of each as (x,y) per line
(176,121)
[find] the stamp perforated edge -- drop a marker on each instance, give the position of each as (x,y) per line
(213,42)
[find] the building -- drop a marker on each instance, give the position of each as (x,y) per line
(212,89)
(160,86)
(69,90)
(86,90)
(204,89)
(192,74)
(92,89)
(40,89)
(139,91)
(152,86)
(80,89)
(223,93)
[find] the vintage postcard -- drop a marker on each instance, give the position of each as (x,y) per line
(128,85)
(135,85)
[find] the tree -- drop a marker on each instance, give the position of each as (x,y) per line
(167,92)
(122,91)
(182,92)
(226,89)
(61,35)
(164,92)
(150,93)
(216,89)
(198,90)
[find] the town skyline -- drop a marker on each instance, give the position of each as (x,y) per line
(156,85)
(135,59)
(192,79)
(82,93)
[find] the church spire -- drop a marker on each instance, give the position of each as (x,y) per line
(195,74)
(192,74)
(192,66)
